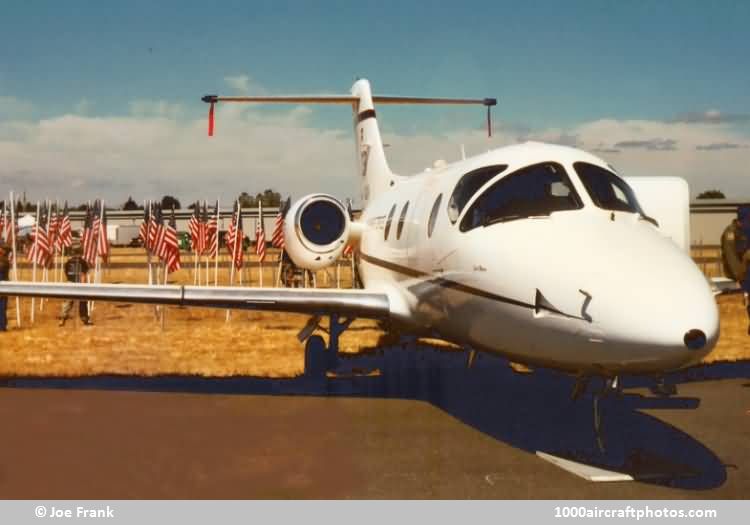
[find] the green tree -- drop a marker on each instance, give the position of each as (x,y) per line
(247,200)
(168,202)
(712,194)
(130,204)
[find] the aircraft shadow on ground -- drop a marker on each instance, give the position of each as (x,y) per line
(532,412)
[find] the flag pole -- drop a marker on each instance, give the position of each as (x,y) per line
(15,255)
(216,255)
(45,273)
(205,240)
(147,210)
(263,230)
(196,266)
(164,307)
(57,252)
(234,254)
(35,247)
(88,274)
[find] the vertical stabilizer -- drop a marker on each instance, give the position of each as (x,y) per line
(372,165)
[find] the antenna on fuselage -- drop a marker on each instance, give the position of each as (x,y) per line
(463,152)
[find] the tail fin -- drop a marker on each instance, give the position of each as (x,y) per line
(372,165)
(371,162)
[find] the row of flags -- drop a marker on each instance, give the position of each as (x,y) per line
(6,225)
(160,237)
(203,238)
(94,241)
(51,234)
(203,230)
(203,227)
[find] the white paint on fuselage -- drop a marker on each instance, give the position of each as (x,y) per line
(645,292)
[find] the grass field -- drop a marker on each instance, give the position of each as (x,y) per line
(128,339)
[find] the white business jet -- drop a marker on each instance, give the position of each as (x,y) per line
(540,253)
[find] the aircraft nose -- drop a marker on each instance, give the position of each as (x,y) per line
(662,315)
(687,324)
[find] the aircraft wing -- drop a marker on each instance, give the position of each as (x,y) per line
(350,303)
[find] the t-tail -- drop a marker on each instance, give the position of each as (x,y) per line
(372,165)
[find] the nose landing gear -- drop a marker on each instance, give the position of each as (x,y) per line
(612,386)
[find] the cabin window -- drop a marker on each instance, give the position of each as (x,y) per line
(388,222)
(433,215)
(401,221)
(607,190)
(467,186)
(533,191)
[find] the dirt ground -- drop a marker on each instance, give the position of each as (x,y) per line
(129,339)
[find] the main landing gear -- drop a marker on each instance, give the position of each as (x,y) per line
(320,358)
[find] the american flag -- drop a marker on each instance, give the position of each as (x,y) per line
(40,250)
(102,249)
(171,248)
(212,233)
(160,248)
(153,227)
(236,239)
(277,238)
(88,238)
(203,230)
(65,231)
(229,235)
(260,235)
(53,230)
(143,229)
(194,227)
(96,219)
(3,221)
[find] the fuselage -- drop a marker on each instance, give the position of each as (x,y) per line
(568,280)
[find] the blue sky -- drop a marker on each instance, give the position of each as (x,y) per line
(548,62)
(553,65)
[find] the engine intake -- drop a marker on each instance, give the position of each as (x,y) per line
(316,229)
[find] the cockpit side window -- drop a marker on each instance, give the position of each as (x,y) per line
(607,190)
(533,191)
(467,186)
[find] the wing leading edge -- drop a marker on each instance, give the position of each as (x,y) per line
(357,303)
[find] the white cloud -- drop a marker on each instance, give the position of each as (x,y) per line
(12,107)
(152,152)
(83,107)
(244,85)
(155,108)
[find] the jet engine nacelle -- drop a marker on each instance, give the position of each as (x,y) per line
(316,229)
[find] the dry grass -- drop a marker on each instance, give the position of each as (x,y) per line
(128,339)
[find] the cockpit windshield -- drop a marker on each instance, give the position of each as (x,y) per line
(467,186)
(533,191)
(607,190)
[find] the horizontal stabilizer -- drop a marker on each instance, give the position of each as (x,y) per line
(348,99)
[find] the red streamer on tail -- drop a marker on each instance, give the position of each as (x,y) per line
(211,120)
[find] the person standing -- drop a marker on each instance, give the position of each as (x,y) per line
(735,248)
(4,271)
(76,269)
(743,217)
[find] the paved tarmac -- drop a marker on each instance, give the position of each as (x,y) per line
(456,436)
